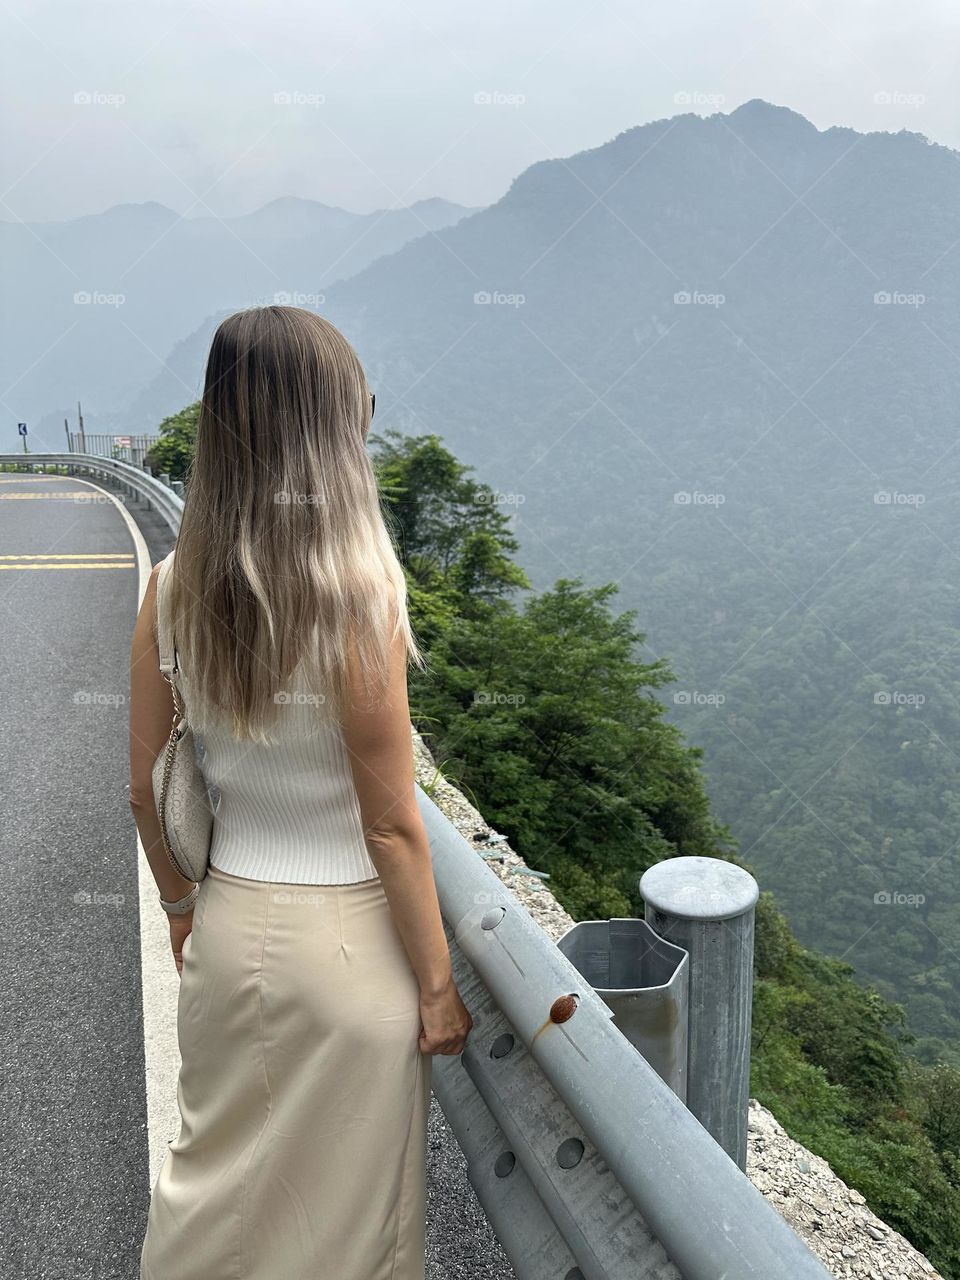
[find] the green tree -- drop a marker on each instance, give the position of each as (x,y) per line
(173,451)
(452,535)
(548,714)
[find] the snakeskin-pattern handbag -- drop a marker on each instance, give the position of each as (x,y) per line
(179,788)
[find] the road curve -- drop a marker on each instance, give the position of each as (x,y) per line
(75,1168)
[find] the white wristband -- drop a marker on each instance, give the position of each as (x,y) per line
(184,905)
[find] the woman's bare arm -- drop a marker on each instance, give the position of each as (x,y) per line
(151,715)
(380,748)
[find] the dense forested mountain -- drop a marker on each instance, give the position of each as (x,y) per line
(716,360)
(119,288)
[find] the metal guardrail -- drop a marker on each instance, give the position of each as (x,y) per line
(631,1182)
(587,1164)
(166,499)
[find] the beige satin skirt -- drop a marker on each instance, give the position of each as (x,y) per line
(303,1094)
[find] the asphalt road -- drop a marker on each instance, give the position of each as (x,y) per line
(75,1147)
(74,1166)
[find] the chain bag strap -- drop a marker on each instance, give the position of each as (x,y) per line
(180,790)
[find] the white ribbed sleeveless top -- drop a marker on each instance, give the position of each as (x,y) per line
(288,812)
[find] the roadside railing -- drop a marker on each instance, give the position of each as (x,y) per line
(154,492)
(586,1162)
(585,1158)
(125,448)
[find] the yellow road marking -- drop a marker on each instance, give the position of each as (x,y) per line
(51,493)
(73,555)
(91,565)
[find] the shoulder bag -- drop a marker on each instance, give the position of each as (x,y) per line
(179,788)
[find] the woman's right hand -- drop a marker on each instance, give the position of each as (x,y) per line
(446,1021)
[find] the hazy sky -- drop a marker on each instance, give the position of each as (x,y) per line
(221,106)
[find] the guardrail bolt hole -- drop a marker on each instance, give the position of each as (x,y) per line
(504,1164)
(575,1274)
(563,1008)
(569,1153)
(502,1045)
(492,918)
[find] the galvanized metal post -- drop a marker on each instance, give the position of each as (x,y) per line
(706,906)
(643,979)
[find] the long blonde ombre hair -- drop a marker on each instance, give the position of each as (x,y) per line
(283,561)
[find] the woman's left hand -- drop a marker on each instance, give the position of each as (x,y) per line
(180,929)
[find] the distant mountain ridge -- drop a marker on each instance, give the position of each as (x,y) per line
(111,293)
